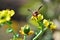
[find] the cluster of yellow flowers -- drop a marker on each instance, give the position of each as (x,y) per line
(5,15)
(39,17)
(46,23)
(26,30)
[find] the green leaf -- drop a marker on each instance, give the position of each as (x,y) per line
(9,30)
(17,35)
(9,22)
(26,29)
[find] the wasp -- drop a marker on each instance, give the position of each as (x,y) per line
(36,12)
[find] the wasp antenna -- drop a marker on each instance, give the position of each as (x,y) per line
(30,10)
(40,7)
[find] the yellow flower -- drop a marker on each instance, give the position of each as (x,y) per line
(5,15)
(34,18)
(46,23)
(22,30)
(10,12)
(2,21)
(26,30)
(40,17)
(8,18)
(31,32)
(52,26)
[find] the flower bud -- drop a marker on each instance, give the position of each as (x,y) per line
(26,29)
(12,12)
(34,18)
(9,30)
(45,22)
(52,26)
(40,17)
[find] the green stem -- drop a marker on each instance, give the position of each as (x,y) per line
(25,37)
(40,33)
(14,34)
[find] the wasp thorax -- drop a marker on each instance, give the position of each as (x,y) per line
(35,13)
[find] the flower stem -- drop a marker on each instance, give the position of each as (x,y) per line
(25,37)
(40,33)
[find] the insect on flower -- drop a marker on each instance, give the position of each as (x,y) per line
(36,12)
